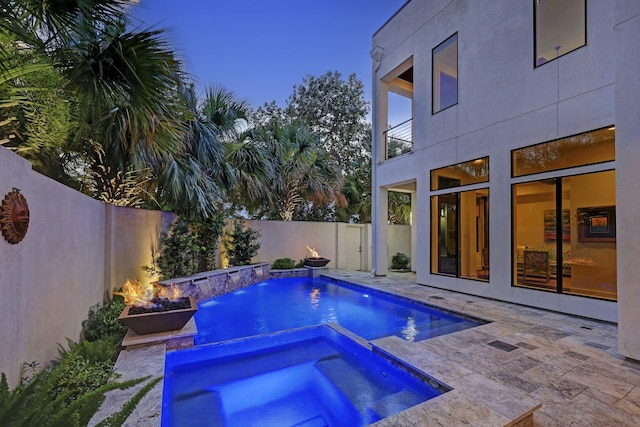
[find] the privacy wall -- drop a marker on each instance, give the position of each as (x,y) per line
(76,249)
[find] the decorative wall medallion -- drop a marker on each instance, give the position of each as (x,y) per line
(14,216)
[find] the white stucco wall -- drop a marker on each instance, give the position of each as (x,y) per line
(398,240)
(348,246)
(289,239)
(132,240)
(627,93)
(76,249)
(51,278)
(504,103)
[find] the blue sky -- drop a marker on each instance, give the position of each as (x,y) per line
(260,49)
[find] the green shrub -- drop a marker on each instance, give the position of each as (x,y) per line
(207,233)
(70,390)
(33,404)
(283,264)
(74,375)
(400,261)
(103,320)
(178,255)
(188,248)
(241,245)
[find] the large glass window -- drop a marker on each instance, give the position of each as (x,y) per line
(460,234)
(560,27)
(472,172)
(564,235)
(584,149)
(445,74)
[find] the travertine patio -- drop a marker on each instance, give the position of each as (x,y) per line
(498,371)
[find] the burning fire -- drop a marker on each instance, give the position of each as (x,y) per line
(139,294)
(171,292)
(135,292)
(313,252)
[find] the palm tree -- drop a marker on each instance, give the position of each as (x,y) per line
(217,165)
(303,172)
(134,124)
(35,110)
(249,174)
(188,181)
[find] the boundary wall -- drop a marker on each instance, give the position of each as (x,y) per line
(76,249)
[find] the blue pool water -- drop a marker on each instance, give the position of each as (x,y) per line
(308,377)
(281,304)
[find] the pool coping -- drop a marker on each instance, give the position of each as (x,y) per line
(453,407)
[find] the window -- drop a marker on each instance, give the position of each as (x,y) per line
(564,235)
(560,27)
(460,222)
(578,150)
(564,228)
(472,172)
(445,74)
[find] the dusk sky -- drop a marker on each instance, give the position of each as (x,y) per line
(260,49)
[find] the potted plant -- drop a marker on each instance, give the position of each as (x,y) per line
(400,262)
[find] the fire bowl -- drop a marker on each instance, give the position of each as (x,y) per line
(160,321)
(316,261)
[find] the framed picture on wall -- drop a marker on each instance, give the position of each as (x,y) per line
(550,225)
(597,224)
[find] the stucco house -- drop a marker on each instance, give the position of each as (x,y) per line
(520,148)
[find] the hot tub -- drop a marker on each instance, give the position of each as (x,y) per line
(307,377)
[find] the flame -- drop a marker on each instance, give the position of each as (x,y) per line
(171,292)
(139,294)
(135,292)
(313,252)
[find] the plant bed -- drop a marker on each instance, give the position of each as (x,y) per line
(165,316)
(316,261)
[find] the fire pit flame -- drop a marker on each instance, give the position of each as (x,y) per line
(136,293)
(313,252)
(315,260)
(171,292)
(141,294)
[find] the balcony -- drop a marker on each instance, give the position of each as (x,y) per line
(399,139)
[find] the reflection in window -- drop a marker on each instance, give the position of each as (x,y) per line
(560,28)
(465,173)
(445,74)
(570,247)
(460,234)
(578,150)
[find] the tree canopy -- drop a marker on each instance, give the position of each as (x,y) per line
(335,109)
(106,108)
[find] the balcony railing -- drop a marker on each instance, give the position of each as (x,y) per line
(399,139)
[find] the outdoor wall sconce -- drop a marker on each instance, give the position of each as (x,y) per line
(14,216)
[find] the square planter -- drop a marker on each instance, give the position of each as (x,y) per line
(160,321)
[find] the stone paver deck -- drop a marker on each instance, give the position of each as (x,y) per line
(524,357)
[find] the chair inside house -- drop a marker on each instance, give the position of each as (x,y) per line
(535,266)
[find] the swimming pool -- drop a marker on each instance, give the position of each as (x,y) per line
(280,304)
(308,377)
